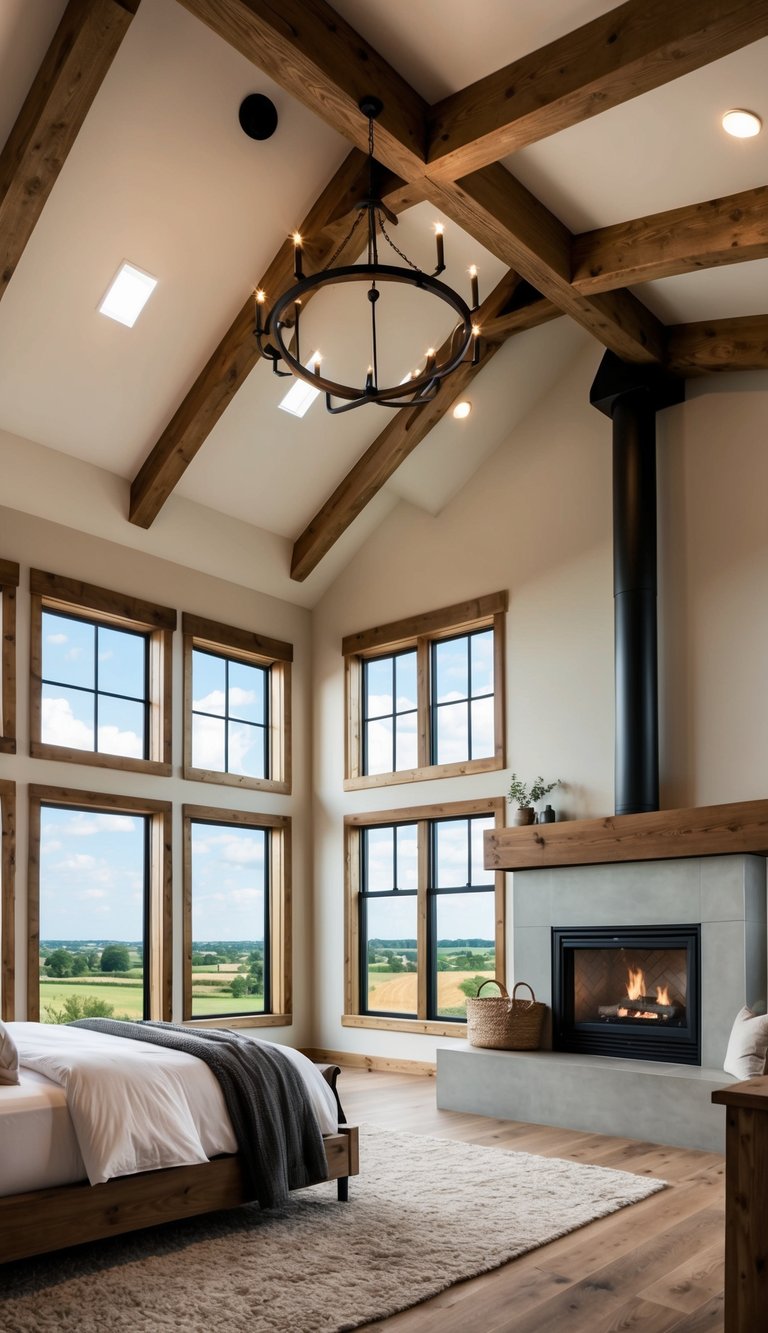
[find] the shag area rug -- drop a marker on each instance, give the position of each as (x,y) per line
(424,1213)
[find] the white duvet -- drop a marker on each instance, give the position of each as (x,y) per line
(137,1107)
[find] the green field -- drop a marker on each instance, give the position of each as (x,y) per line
(126,997)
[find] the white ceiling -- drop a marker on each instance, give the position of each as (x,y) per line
(162,175)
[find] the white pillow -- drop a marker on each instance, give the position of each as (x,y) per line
(9,1057)
(747,1045)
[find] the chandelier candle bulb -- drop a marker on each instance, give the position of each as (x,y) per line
(260,299)
(475,289)
(439,229)
(298,271)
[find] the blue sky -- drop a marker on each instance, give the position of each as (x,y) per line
(459,915)
(92,877)
(451,688)
(70,658)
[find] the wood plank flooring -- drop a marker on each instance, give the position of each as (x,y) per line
(652,1268)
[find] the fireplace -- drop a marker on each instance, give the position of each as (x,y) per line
(630,992)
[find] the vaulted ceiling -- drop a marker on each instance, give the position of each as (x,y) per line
(573,150)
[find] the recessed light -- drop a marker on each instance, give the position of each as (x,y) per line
(742,124)
(301,395)
(462,409)
(127,294)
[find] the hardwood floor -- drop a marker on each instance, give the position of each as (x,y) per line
(651,1268)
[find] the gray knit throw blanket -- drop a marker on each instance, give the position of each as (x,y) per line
(273,1119)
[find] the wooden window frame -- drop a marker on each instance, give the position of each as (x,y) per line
(280,921)
(159,887)
(113,610)
(241,645)
(9,582)
(419,633)
(7,900)
(420,815)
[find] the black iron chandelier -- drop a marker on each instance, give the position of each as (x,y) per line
(278,332)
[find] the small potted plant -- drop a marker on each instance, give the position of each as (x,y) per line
(525,796)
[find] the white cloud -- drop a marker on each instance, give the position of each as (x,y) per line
(213,702)
(61,727)
(56,638)
(114,741)
(81,825)
(208,745)
(78,862)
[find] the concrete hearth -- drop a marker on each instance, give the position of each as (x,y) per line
(666,1103)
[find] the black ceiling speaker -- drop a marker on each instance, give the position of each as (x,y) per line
(258,116)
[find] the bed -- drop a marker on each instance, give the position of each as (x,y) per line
(48,1159)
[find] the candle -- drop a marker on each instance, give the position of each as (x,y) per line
(298,272)
(473,277)
(439,229)
(260,299)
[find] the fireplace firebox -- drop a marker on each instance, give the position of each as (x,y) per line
(630,992)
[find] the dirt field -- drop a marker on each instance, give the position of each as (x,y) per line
(397,994)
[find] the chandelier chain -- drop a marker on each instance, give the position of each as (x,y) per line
(390,242)
(342,243)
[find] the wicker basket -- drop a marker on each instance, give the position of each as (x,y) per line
(503,1022)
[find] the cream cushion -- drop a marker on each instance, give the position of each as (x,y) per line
(9,1057)
(747,1045)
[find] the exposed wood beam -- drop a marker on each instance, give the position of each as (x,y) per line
(718,345)
(316,56)
(506,218)
(82,50)
(719,231)
(233,359)
(398,439)
(312,52)
(628,51)
(517,321)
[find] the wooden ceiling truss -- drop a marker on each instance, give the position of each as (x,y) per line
(449,154)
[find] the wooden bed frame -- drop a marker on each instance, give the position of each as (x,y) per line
(53,1219)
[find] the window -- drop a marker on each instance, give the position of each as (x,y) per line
(99,906)
(237,926)
(9,581)
(236,707)
(425,920)
(425,697)
(7,886)
(101,676)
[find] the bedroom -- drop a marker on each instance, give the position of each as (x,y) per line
(515,498)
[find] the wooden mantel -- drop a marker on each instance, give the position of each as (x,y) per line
(707,830)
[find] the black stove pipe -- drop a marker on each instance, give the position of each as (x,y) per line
(631,395)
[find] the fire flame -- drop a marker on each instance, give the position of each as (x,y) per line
(636,986)
(635,983)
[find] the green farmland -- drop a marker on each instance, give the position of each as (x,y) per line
(227,978)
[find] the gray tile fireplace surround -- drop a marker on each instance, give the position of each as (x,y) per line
(663,1103)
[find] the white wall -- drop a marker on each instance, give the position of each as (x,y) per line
(44,545)
(537,520)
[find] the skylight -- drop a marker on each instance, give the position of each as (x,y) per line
(127,294)
(301,395)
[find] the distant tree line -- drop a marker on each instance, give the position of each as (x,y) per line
(65,963)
